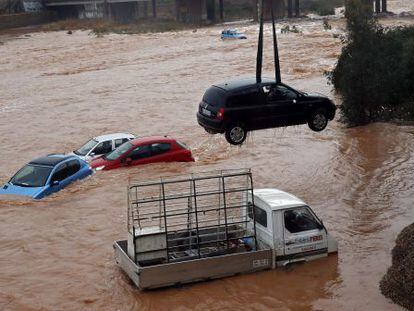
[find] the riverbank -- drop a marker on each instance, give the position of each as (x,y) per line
(398,283)
(102,26)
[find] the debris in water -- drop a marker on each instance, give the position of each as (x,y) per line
(326,25)
(398,283)
(69,32)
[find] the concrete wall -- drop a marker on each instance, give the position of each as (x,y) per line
(25,19)
(190,11)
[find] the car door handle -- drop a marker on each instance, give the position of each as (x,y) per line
(289,242)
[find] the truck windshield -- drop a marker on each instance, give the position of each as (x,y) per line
(31,176)
(118,151)
(300,219)
(82,151)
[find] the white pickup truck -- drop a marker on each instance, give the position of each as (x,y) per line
(211,225)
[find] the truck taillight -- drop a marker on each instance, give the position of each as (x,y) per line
(220,114)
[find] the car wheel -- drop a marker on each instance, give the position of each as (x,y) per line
(318,120)
(236,134)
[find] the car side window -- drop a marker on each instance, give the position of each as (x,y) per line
(300,219)
(73,167)
(282,92)
(160,148)
(120,141)
(259,213)
(61,173)
(140,152)
(249,97)
(103,148)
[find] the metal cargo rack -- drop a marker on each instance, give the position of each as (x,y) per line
(192,216)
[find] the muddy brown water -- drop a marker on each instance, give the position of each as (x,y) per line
(59,90)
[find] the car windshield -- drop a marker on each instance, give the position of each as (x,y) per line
(82,151)
(182,145)
(31,176)
(118,151)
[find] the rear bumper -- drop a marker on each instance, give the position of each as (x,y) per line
(214,125)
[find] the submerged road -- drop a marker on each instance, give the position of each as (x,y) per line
(59,90)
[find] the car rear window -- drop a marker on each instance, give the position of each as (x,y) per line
(215,96)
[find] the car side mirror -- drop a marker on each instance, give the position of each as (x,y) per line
(55,183)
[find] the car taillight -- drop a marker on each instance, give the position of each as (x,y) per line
(220,114)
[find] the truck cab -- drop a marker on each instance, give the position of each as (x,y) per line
(289,226)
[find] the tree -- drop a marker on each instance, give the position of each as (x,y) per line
(374,73)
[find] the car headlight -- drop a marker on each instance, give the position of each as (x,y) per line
(100,168)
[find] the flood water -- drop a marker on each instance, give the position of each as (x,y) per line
(57,90)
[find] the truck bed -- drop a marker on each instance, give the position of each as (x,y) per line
(194,270)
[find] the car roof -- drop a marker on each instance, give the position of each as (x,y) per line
(277,199)
(241,83)
(52,159)
(151,140)
(113,136)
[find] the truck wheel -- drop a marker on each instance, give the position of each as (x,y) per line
(318,120)
(236,134)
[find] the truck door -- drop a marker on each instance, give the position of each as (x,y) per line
(304,235)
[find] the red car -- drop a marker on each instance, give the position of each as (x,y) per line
(144,151)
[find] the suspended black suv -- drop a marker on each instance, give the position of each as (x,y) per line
(236,107)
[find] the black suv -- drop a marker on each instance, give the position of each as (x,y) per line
(236,107)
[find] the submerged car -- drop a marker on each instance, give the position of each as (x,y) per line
(144,150)
(232,34)
(46,175)
(236,107)
(100,145)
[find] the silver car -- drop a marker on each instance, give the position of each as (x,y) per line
(101,145)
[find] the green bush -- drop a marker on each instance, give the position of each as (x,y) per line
(375,71)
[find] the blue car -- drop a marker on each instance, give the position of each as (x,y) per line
(232,34)
(46,175)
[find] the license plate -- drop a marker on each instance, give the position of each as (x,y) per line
(206,112)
